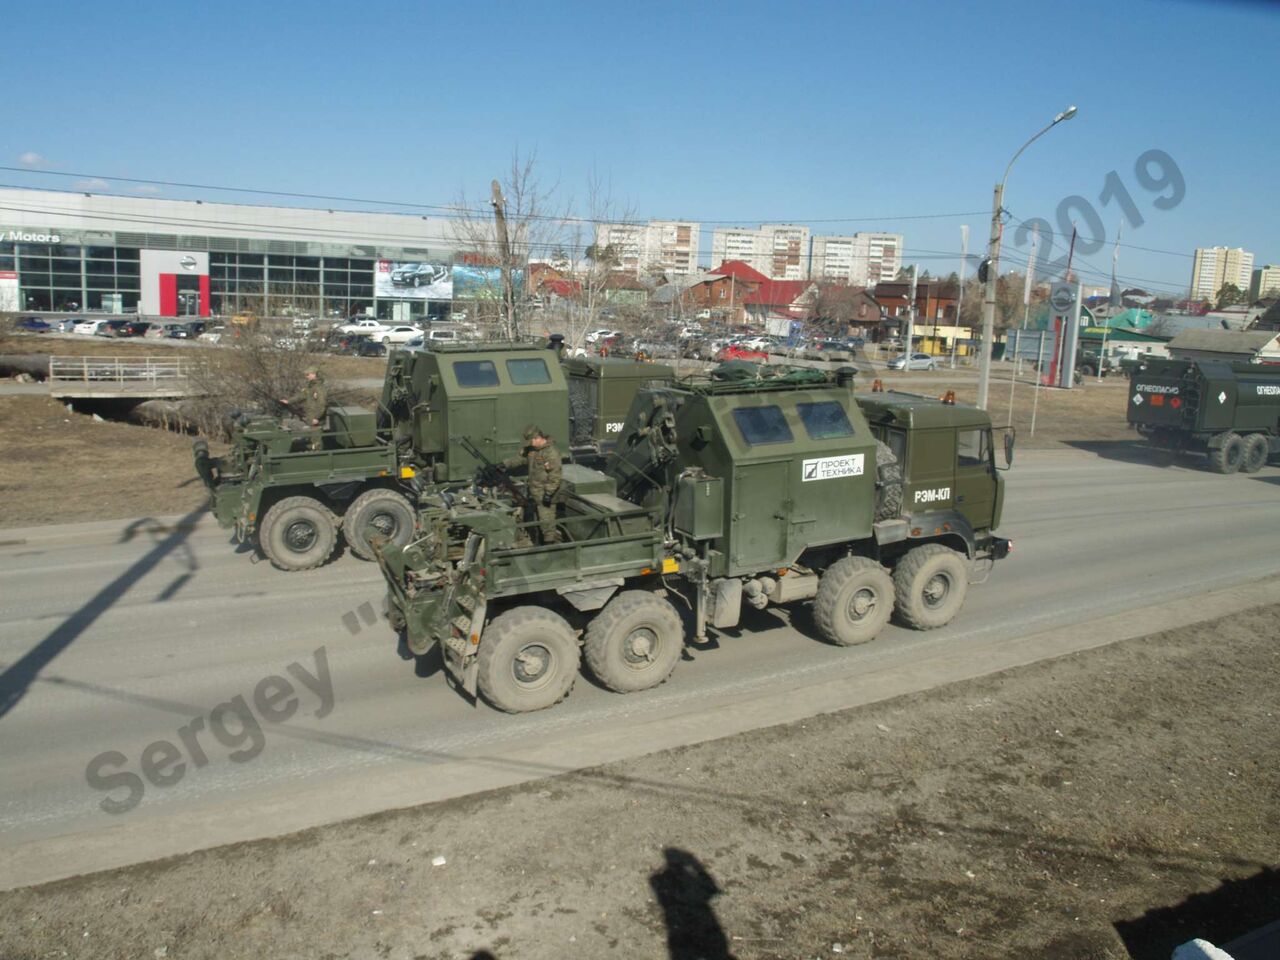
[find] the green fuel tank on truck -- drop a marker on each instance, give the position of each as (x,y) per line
(744,489)
(1229,411)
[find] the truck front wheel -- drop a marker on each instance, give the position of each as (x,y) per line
(1227,458)
(528,660)
(635,642)
(1256,450)
(854,601)
(930,583)
(382,512)
(297,534)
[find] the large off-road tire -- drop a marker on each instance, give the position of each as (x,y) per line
(635,642)
(528,660)
(854,601)
(386,511)
(888,482)
(1256,450)
(297,534)
(1228,457)
(930,584)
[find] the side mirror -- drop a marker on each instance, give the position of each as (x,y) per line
(1008,447)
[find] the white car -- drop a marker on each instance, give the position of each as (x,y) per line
(597,335)
(756,343)
(368,326)
(211,336)
(87,328)
(399,335)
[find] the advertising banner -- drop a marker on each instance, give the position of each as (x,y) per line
(395,279)
(8,291)
(482,283)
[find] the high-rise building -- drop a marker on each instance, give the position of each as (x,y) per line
(1215,266)
(778,250)
(1265,280)
(668,245)
(748,244)
(863,259)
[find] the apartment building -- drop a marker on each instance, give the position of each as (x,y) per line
(780,251)
(667,245)
(1215,266)
(1266,280)
(863,259)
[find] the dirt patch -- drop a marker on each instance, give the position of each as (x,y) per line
(61,467)
(1111,803)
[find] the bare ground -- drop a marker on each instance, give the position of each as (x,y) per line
(1112,803)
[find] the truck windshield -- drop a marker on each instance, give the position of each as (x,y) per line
(825,420)
(762,425)
(475,373)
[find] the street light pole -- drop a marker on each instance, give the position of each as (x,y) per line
(993,266)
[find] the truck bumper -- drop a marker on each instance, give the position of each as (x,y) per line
(1000,548)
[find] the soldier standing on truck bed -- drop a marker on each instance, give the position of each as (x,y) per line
(309,405)
(543,461)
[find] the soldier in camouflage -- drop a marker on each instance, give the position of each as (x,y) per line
(543,462)
(309,405)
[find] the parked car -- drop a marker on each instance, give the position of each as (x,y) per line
(87,328)
(134,328)
(365,325)
(604,334)
(402,334)
(32,325)
(655,349)
(917,361)
(370,348)
(65,324)
(213,336)
(737,351)
(177,331)
(110,328)
(830,350)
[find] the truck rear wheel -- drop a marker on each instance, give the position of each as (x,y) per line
(297,534)
(384,511)
(854,601)
(635,642)
(528,660)
(1256,450)
(888,482)
(1227,458)
(930,585)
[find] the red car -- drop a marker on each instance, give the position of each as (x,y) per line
(735,352)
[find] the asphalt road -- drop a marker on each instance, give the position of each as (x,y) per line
(113,636)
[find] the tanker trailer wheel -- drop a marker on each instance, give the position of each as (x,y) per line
(1227,458)
(384,511)
(888,482)
(854,601)
(635,642)
(930,583)
(297,534)
(528,660)
(1256,451)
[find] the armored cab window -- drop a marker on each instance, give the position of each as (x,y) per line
(475,373)
(524,373)
(824,421)
(973,448)
(762,425)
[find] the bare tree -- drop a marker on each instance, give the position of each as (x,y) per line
(590,262)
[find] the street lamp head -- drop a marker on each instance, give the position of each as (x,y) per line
(1066,114)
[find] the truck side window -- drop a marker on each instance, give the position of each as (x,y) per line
(762,425)
(897,441)
(475,373)
(973,448)
(823,421)
(526,372)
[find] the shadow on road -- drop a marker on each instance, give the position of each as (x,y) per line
(18,677)
(1137,452)
(685,890)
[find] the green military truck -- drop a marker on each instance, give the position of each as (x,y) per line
(372,465)
(719,493)
(1229,411)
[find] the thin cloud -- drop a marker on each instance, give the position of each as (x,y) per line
(32,159)
(96,183)
(147,189)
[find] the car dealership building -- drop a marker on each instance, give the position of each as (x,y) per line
(87,252)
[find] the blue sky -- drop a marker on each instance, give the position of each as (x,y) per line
(742,112)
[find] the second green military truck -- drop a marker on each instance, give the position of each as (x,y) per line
(721,492)
(372,466)
(1229,411)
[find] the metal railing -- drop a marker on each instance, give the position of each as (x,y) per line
(134,371)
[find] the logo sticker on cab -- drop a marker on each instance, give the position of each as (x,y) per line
(935,495)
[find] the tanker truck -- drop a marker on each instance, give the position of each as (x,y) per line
(1228,411)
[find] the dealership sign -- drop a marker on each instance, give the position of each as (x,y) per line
(18,236)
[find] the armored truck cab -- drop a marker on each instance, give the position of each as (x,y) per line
(600,393)
(721,492)
(1228,411)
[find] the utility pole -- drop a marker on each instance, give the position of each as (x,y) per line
(911,317)
(504,252)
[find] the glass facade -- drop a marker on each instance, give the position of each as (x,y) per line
(73,277)
(276,285)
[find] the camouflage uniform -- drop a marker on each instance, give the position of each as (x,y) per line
(311,402)
(545,474)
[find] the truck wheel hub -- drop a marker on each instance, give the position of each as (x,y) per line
(300,536)
(385,524)
(862,603)
(531,663)
(936,590)
(639,646)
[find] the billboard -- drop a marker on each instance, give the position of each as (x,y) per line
(8,291)
(482,283)
(412,280)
